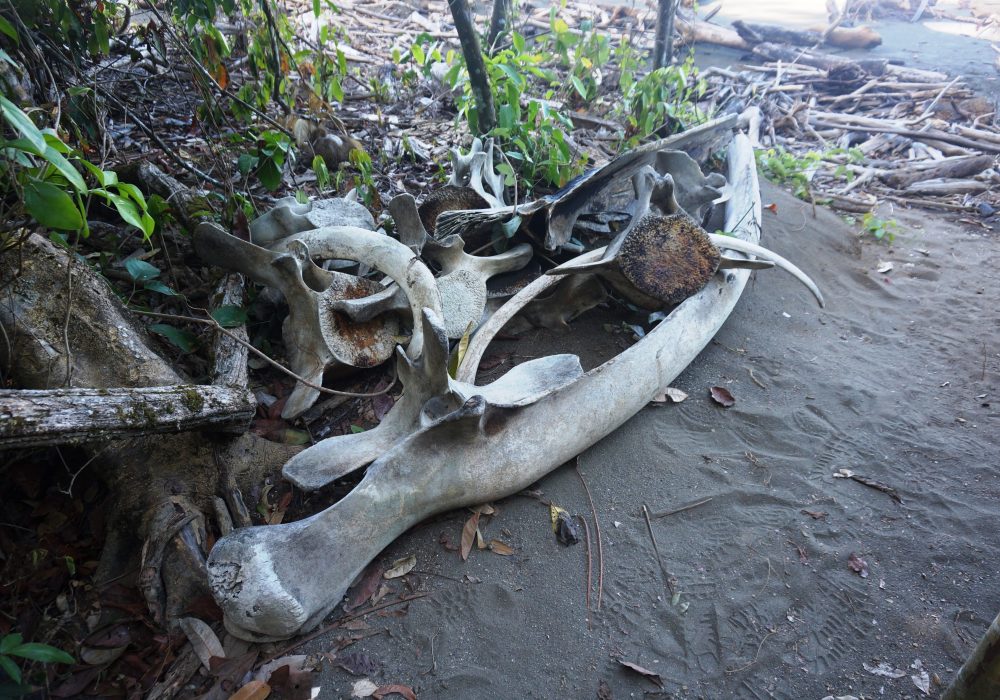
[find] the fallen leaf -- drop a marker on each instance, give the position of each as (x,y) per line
(803,555)
(884,669)
(480,542)
(359,664)
(670,394)
(604,691)
(772,207)
(722,396)
(299,662)
(857,565)
(567,531)
(469,535)
(404,690)
(651,675)
(921,679)
(401,567)
(484,509)
(382,592)
(501,548)
(815,514)
(203,640)
(365,587)
(884,267)
(254,690)
(363,689)
(445,542)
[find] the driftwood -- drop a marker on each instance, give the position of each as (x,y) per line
(60,416)
(841,37)
(961,166)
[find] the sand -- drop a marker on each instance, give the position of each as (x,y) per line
(894,381)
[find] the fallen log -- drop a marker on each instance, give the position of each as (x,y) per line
(959,167)
(30,418)
(701,32)
(943,187)
(846,38)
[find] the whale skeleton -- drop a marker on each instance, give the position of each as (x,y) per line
(448,443)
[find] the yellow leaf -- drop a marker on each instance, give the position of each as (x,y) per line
(469,535)
(254,690)
(554,512)
(463,345)
(501,548)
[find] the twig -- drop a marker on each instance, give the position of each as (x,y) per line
(434,664)
(590,578)
(663,570)
(683,508)
(759,646)
(274,363)
(755,380)
(600,543)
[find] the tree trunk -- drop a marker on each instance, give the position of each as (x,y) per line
(663,48)
(979,677)
(485,112)
(499,23)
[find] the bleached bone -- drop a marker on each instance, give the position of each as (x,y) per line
(463,278)
(289,216)
(562,209)
(475,169)
(277,581)
(317,336)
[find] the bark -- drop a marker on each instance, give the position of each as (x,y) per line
(979,677)
(499,23)
(852,38)
(61,416)
(962,166)
(480,80)
(663,47)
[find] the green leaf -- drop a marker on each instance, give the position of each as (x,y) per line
(178,336)
(418,54)
(127,210)
(11,668)
(157,286)
(44,653)
(64,168)
(246,163)
(580,87)
(10,641)
(8,29)
(22,123)
(269,174)
(51,206)
(140,270)
(229,316)
(357,429)
(316,9)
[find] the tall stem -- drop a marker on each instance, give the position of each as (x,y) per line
(663,49)
(474,61)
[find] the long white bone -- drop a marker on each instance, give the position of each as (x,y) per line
(278,581)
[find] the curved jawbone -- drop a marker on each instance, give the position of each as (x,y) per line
(278,581)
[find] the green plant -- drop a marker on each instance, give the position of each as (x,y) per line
(12,645)
(784,167)
(662,102)
(41,171)
(364,182)
(581,54)
(882,229)
(268,157)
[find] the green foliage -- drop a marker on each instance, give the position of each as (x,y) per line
(12,645)
(882,229)
(665,99)
(786,168)
(582,55)
(364,181)
(42,171)
(267,158)
(82,27)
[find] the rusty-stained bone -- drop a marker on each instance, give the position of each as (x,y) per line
(473,444)
(317,336)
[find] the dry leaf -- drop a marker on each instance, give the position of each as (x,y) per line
(815,514)
(501,548)
(884,267)
(484,509)
(480,542)
(857,565)
(254,690)
(651,675)
(363,689)
(722,396)
(772,207)
(671,394)
(203,640)
(469,531)
(404,690)
(364,588)
(401,567)
(884,669)
(921,679)
(358,664)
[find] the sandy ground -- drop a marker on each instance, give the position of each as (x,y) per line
(894,380)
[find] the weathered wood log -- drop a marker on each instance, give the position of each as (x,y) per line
(30,418)
(700,32)
(885,126)
(841,37)
(943,187)
(791,54)
(959,167)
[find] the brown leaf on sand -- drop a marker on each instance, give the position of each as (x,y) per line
(365,587)
(469,535)
(254,690)
(604,691)
(401,567)
(722,396)
(815,514)
(359,664)
(651,675)
(501,548)
(857,565)
(670,395)
(404,690)
(445,542)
